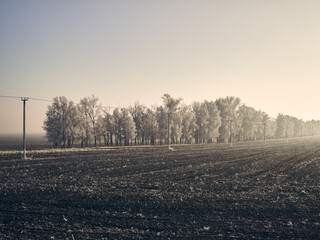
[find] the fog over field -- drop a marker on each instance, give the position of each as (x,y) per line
(14,141)
(33,139)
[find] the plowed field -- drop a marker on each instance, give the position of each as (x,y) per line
(261,190)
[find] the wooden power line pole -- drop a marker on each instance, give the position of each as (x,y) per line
(169,130)
(231,132)
(24,99)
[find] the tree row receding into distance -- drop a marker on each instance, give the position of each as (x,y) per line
(224,120)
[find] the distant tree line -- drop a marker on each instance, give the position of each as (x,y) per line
(223,120)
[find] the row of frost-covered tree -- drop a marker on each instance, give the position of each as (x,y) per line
(87,123)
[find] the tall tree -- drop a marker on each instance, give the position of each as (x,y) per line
(213,121)
(100,130)
(271,127)
(171,105)
(201,114)
(92,110)
(162,123)
(117,117)
(128,126)
(247,119)
(73,122)
(285,126)
(86,123)
(138,111)
(150,127)
(176,127)
(59,121)
(82,130)
(265,119)
(227,107)
(188,124)
(110,128)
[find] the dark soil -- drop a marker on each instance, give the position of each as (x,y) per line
(252,190)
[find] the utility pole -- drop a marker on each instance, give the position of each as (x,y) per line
(24,99)
(264,131)
(230,132)
(169,130)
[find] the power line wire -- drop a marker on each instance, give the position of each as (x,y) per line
(10,97)
(37,99)
(47,100)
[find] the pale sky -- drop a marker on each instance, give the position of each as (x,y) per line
(265,52)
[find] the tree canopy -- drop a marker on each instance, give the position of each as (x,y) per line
(221,120)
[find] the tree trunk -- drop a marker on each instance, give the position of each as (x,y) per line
(105,140)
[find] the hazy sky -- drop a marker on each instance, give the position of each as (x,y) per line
(265,52)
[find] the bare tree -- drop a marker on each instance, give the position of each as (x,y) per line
(162,123)
(188,124)
(202,115)
(128,126)
(60,121)
(213,121)
(171,106)
(110,128)
(92,110)
(118,126)
(138,111)
(227,107)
